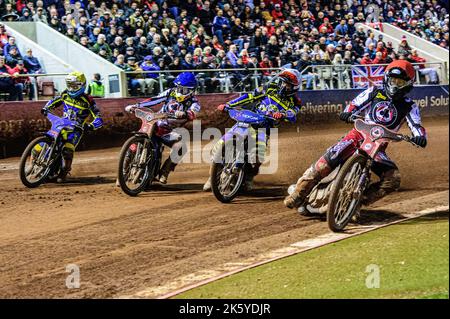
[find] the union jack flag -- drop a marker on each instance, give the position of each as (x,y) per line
(366,76)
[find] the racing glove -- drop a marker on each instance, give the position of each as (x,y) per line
(130,108)
(221,107)
(277,115)
(44,111)
(180,114)
(345,116)
(419,140)
(88,127)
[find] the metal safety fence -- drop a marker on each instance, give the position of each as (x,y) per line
(313,77)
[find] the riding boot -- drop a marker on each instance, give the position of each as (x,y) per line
(167,167)
(298,197)
(302,189)
(65,171)
(249,176)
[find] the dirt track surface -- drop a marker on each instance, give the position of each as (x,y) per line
(124,245)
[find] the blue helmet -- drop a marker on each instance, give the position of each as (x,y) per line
(185,84)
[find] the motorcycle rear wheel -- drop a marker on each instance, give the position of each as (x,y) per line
(344,202)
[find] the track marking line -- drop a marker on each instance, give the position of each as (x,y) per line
(202,277)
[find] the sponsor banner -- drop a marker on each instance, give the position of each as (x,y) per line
(324,106)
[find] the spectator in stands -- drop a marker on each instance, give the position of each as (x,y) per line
(221,26)
(40,16)
(404,48)
(96,88)
(143,49)
(102,45)
(7,47)
(232,54)
(26,16)
(342,72)
(378,58)
(13,56)
(342,28)
(7,83)
(118,44)
(187,63)
(8,12)
(429,72)
(84,41)
(3,36)
(134,79)
(150,82)
(120,62)
(306,71)
(71,34)
(32,63)
(371,50)
(381,48)
(22,83)
(366,59)
(371,41)
(56,24)
(131,52)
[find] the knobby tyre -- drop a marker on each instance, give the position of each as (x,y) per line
(344,202)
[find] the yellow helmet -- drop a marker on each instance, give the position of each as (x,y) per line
(76,84)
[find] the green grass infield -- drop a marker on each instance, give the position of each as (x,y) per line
(405,260)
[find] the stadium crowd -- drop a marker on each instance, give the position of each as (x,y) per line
(13,64)
(207,34)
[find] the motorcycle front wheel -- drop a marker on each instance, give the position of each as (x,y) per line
(227,174)
(345,197)
(34,163)
(135,162)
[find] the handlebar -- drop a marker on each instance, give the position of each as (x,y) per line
(398,136)
(74,123)
(228,108)
(161,116)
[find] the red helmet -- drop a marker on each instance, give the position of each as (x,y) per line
(399,78)
(290,77)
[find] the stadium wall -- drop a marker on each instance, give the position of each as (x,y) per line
(22,121)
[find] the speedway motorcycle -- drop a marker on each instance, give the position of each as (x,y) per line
(231,161)
(339,194)
(42,159)
(140,157)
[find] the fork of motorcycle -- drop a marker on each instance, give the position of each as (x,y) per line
(143,157)
(363,181)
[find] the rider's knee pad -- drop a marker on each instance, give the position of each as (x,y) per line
(322,167)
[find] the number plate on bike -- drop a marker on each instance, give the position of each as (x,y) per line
(241,124)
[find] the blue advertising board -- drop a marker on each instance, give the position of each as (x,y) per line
(324,105)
